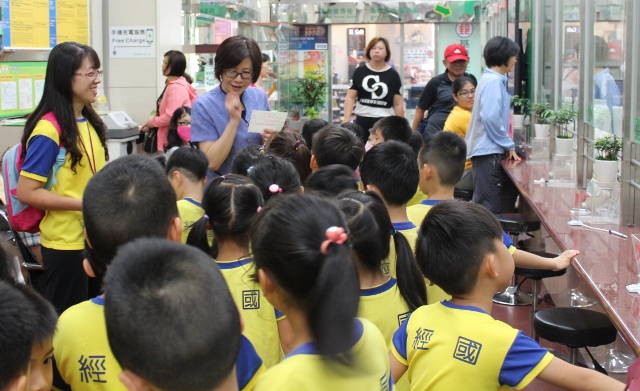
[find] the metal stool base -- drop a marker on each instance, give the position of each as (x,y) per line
(512,296)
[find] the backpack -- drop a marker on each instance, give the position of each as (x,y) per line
(25,218)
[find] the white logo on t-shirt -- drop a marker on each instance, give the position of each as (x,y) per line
(374,87)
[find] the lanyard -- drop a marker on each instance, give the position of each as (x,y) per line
(92,164)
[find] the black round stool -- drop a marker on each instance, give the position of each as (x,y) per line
(463,195)
(536,275)
(574,328)
(515,224)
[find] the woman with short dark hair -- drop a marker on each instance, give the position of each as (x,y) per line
(220,118)
(177,93)
(375,90)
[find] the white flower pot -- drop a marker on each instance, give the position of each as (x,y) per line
(605,170)
(518,121)
(542,130)
(564,146)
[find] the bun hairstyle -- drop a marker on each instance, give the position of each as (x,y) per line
(275,175)
(230,204)
(288,240)
(370,231)
(291,147)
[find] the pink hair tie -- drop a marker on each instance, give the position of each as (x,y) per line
(259,209)
(334,235)
(275,189)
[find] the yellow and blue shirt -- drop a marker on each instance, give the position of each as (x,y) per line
(305,369)
(85,361)
(63,229)
(260,317)
(384,307)
(190,212)
(410,231)
(453,347)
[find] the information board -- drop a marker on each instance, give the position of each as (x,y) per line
(21,87)
(42,24)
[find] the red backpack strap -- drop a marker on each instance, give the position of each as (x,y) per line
(51,117)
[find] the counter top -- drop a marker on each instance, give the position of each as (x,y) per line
(606,263)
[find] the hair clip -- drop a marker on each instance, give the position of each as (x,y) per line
(394,232)
(259,209)
(205,216)
(249,169)
(275,189)
(298,142)
(223,177)
(334,235)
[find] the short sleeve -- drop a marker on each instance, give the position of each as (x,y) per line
(524,361)
(42,149)
(430,90)
(248,365)
(399,343)
(203,126)
(506,239)
(279,314)
(397,82)
(356,80)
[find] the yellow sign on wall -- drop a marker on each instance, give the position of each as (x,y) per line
(72,21)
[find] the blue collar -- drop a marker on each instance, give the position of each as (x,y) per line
(431,202)
(404,226)
(449,304)
(234,264)
(378,289)
(310,347)
(98,300)
(194,202)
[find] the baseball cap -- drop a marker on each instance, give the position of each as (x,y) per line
(455,52)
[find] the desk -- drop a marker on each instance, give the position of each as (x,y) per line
(606,263)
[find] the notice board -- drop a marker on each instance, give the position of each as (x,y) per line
(21,86)
(42,24)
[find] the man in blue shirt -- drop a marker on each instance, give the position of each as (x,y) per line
(488,138)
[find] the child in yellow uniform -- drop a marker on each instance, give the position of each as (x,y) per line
(231,204)
(187,173)
(303,262)
(441,162)
(117,210)
(456,344)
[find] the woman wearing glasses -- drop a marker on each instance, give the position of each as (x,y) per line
(221,117)
(464,90)
(177,92)
(64,143)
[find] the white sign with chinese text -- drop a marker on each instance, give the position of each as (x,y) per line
(132,42)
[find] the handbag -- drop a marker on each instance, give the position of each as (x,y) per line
(150,142)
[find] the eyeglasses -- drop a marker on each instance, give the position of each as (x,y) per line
(230,73)
(467,93)
(184,123)
(91,75)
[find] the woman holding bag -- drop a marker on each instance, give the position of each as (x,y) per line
(177,92)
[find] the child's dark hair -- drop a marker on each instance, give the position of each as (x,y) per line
(498,51)
(230,203)
(287,239)
(337,145)
(170,317)
(447,152)
(275,176)
(370,229)
(247,158)
(394,127)
(452,242)
(416,142)
(310,128)
(17,332)
(191,162)
(173,140)
(392,168)
(331,180)
(129,198)
(46,315)
(292,147)
(6,264)
(461,82)
(355,128)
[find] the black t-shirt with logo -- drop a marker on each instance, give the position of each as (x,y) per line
(437,98)
(376,88)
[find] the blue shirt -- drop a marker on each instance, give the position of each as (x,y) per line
(488,131)
(605,88)
(209,118)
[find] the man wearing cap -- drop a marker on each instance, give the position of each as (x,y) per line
(437,96)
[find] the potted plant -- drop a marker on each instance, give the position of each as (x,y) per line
(560,119)
(605,168)
(312,90)
(520,110)
(542,114)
